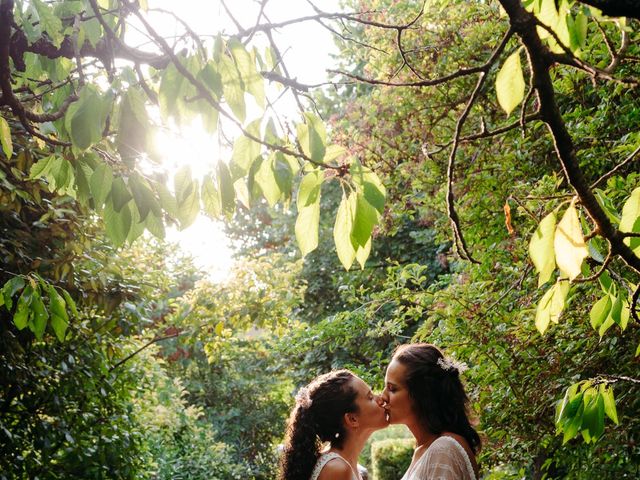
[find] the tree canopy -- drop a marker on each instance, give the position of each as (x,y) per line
(466,175)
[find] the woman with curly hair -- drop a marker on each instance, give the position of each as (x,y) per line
(337,411)
(423,391)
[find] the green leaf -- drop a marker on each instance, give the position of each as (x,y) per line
(5,138)
(370,185)
(600,311)
(227,192)
(366,217)
(211,78)
(541,248)
(630,220)
(70,303)
(49,22)
(92,31)
(143,197)
(246,65)
(342,230)
(133,131)
(614,313)
(41,168)
(570,247)
(572,424)
(312,137)
(85,119)
(167,200)
(39,315)
(510,83)
(309,189)
(100,184)
(233,87)
(170,92)
(117,224)
(609,402)
(306,228)
(551,305)
(245,151)
(363,253)
(283,174)
(21,315)
(120,194)
(593,417)
(10,288)
(266,179)
(211,197)
(155,225)
(189,207)
(308,211)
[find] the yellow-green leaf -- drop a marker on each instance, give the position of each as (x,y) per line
(551,305)
(609,402)
(570,247)
(630,220)
(510,83)
(541,248)
(600,311)
(342,230)
(5,138)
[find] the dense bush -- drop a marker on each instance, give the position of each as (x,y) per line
(391,458)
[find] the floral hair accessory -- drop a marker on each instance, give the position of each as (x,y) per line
(449,364)
(302,398)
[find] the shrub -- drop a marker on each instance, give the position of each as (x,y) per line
(391,458)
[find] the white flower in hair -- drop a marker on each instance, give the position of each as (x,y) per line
(449,364)
(302,398)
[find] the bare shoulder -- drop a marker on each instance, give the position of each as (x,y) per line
(336,469)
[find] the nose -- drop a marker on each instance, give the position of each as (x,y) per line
(383,398)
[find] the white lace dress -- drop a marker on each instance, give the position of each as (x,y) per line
(445,459)
(322,461)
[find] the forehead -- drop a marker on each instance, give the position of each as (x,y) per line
(360,385)
(396,373)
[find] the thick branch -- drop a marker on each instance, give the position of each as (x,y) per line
(540,59)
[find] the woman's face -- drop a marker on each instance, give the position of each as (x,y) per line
(397,401)
(370,413)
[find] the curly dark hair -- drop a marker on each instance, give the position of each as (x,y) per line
(313,423)
(438,395)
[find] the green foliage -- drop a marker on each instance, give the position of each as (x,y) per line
(390,458)
(179,442)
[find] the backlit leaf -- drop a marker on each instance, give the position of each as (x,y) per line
(100,184)
(510,83)
(551,305)
(342,230)
(630,220)
(600,311)
(5,138)
(39,315)
(21,315)
(570,247)
(609,402)
(308,211)
(541,248)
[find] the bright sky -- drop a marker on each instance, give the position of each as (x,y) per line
(306,49)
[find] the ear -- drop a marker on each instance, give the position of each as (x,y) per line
(351,420)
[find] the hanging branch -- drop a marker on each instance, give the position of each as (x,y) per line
(451,211)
